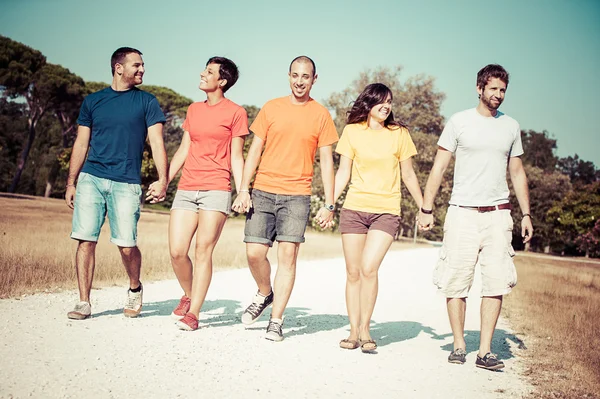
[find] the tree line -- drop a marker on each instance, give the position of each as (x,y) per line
(39,105)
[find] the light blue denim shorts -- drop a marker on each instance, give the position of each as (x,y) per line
(95,199)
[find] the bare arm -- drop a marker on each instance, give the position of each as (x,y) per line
(80,149)
(440,164)
(519,181)
(342,176)
(409,177)
(325,216)
(242,202)
(237,160)
(180,156)
(158,190)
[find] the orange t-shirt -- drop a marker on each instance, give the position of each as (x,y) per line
(292,134)
(211,128)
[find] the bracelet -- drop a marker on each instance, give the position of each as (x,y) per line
(427,211)
(526,214)
(243,191)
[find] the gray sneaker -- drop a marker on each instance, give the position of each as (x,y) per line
(133,306)
(82,311)
(457,356)
(274,330)
(256,308)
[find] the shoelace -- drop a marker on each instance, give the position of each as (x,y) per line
(255,308)
(274,327)
(132,299)
(492,356)
(182,305)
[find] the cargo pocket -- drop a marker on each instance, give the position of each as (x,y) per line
(511,278)
(440,272)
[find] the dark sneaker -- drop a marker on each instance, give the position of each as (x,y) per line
(256,308)
(274,330)
(457,356)
(489,362)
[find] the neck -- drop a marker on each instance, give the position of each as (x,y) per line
(485,111)
(375,125)
(299,100)
(214,97)
(119,85)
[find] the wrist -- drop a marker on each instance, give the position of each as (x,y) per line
(329,207)
(525,215)
(70,184)
(426,211)
(243,190)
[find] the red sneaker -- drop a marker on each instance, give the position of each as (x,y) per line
(188,323)
(182,308)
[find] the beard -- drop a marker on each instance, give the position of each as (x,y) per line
(488,103)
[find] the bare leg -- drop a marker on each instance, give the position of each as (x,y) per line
(376,246)
(457,308)
(132,260)
(353,245)
(210,225)
(259,266)
(182,227)
(85,262)
(490,311)
(287,253)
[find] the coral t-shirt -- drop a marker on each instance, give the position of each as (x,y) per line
(376,174)
(292,134)
(211,128)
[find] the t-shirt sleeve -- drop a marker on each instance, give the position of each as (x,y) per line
(449,137)
(343,146)
(188,117)
(517,146)
(328,134)
(407,146)
(260,126)
(239,124)
(154,114)
(85,115)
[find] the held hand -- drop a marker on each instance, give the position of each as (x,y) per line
(242,203)
(70,196)
(157,192)
(425,221)
(526,229)
(325,218)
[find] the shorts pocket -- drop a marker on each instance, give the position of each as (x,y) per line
(511,278)
(441,269)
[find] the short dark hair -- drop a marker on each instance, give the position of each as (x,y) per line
(119,56)
(491,71)
(303,58)
(227,70)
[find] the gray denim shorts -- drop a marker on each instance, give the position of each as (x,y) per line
(207,200)
(276,217)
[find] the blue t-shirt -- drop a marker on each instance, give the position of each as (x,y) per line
(119,121)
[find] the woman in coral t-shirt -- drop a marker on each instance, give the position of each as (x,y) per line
(211,150)
(376,151)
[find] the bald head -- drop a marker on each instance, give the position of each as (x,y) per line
(304,60)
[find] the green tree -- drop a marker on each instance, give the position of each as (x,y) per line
(539,150)
(13,121)
(581,172)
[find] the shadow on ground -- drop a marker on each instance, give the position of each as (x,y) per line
(500,343)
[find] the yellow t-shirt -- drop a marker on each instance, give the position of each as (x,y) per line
(292,134)
(376,157)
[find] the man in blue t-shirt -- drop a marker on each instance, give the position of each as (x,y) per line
(113,126)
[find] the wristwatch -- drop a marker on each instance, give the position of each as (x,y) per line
(330,208)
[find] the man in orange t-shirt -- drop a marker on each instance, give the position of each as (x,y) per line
(290,129)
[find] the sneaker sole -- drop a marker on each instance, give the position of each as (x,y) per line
(257,317)
(184,327)
(176,317)
(496,367)
(131,313)
(278,339)
(456,361)
(77,316)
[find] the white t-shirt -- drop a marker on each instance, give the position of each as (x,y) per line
(481,146)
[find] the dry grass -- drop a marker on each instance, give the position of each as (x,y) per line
(36,253)
(555,310)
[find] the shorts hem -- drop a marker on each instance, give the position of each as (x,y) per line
(258,240)
(123,243)
(497,293)
(82,237)
(293,239)
(180,208)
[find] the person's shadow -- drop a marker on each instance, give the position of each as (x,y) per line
(397,331)
(500,343)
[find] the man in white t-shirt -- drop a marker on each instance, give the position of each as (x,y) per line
(478,225)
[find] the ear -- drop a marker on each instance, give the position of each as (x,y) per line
(315,79)
(479,90)
(222,83)
(119,68)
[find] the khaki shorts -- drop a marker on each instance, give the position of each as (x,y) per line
(471,237)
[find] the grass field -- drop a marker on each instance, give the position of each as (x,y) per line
(554,308)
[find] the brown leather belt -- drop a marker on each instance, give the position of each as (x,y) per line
(488,208)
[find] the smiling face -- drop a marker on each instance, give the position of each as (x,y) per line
(492,95)
(301,80)
(380,112)
(131,70)
(210,79)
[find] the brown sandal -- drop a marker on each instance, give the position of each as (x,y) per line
(349,344)
(368,345)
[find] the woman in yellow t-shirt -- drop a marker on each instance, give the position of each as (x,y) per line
(376,152)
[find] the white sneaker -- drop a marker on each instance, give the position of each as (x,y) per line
(275,330)
(82,311)
(133,306)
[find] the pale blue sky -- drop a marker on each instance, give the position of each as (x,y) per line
(550,47)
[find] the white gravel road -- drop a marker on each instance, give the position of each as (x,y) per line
(45,355)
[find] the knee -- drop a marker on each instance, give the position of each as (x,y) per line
(255,258)
(368,273)
(177,255)
(353,276)
(128,252)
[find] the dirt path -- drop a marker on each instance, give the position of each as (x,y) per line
(45,355)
